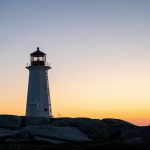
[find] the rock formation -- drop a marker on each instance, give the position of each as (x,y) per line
(58,131)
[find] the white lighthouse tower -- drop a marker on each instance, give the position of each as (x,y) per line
(38,97)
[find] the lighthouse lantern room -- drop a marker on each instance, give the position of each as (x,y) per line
(38,97)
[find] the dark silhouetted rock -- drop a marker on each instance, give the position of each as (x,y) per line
(134,141)
(112,121)
(93,128)
(48,140)
(10,121)
(17,135)
(58,133)
(5,134)
(130,134)
(61,123)
(26,120)
(105,133)
(117,126)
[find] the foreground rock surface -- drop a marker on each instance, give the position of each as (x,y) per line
(57,133)
(26,121)
(10,121)
(105,132)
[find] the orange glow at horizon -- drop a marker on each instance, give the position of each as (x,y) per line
(79,98)
(133,117)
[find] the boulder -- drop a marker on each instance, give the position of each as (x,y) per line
(10,140)
(47,140)
(93,128)
(28,120)
(6,134)
(117,121)
(116,126)
(61,123)
(13,135)
(10,121)
(56,133)
(4,131)
(134,141)
(129,134)
(145,133)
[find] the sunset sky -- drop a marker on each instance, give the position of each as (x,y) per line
(99,51)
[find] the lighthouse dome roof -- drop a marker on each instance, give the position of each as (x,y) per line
(38,53)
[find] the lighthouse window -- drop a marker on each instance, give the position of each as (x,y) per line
(38,59)
(45,109)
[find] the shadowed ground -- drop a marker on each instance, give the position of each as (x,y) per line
(36,133)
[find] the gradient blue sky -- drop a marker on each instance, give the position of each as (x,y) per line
(99,51)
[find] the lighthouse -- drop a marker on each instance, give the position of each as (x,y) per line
(38,96)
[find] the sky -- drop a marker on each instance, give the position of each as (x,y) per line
(99,51)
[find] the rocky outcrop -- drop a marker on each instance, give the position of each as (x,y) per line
(133,133)
(10,121)
(99,129)
(105,132)
(93,128)
(48,140)
(15,135)
(117,126)
(57,133)
(26,120)
(134,141)
(60,123)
